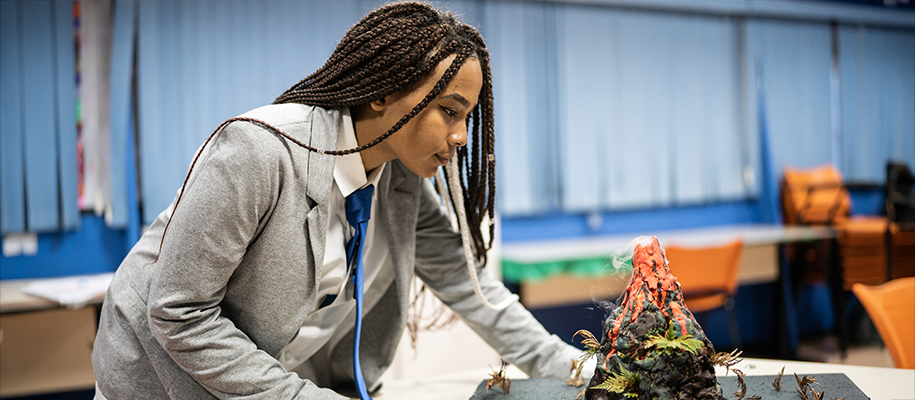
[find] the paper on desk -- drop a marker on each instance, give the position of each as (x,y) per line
(71,291)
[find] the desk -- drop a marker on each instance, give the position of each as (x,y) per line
(71,291)
(44,347)
(571,280)
(12,299)
(561,281)
(569,248)
(878,383)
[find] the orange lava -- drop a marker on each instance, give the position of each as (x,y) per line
(652,281)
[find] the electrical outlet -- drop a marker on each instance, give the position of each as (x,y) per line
(20,244)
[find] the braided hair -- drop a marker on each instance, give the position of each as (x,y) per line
(392,49)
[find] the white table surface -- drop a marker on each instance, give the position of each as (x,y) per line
(536,251)
(878,383)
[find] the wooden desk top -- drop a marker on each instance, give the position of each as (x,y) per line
(14,299)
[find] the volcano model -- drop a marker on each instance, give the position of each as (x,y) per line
(652,347)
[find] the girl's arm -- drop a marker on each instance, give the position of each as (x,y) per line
(513,332)
(233,186)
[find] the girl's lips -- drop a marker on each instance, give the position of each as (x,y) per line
(443,160)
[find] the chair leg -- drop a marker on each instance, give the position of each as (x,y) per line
(786,317)
(839,296)
(797,266)
(888,248)
(733,325)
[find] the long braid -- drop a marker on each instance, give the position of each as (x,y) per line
(488,139)
(480,188)
(388,51)
(370,64)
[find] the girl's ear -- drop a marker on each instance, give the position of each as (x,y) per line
(379,105)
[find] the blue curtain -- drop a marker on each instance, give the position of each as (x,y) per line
(791,63)
(649,110)
(37,117)
(202,62)
(123,160)
(598,108)
(522,43)
(877,71)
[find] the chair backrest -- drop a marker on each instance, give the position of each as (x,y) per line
(814,196)
(892,308)
(706,271)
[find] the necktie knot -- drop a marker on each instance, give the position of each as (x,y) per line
(359,205)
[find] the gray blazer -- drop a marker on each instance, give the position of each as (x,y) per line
(239,270)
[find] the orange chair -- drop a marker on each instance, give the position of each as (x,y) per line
(892,308)
(813,196)
(708,278)
(818,196)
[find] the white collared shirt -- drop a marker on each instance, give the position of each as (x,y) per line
(321,323)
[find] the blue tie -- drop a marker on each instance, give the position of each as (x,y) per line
(358,212)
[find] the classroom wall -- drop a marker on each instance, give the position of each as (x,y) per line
(602,107)
(560,170)
(93,248)
(778,105)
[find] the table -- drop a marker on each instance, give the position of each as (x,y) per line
(564,271)
(752,234)
(72,291)
(575,273)
(878,383)
(47,347)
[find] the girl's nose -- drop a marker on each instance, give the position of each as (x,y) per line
(458,137)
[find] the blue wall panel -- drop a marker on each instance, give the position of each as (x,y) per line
(37,117)
(12,186)
(121,102)
(877,100)
(149,91)
(636,222)
(92,249)
(64,42)
(204,61)
(586,68)
(793,62)
(39,126)
(635,131)
(525,168)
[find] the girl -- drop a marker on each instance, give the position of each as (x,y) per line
(243,288)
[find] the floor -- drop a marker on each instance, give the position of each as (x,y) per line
(864,348)
(826,349)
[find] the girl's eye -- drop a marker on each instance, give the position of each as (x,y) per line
(450,112)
